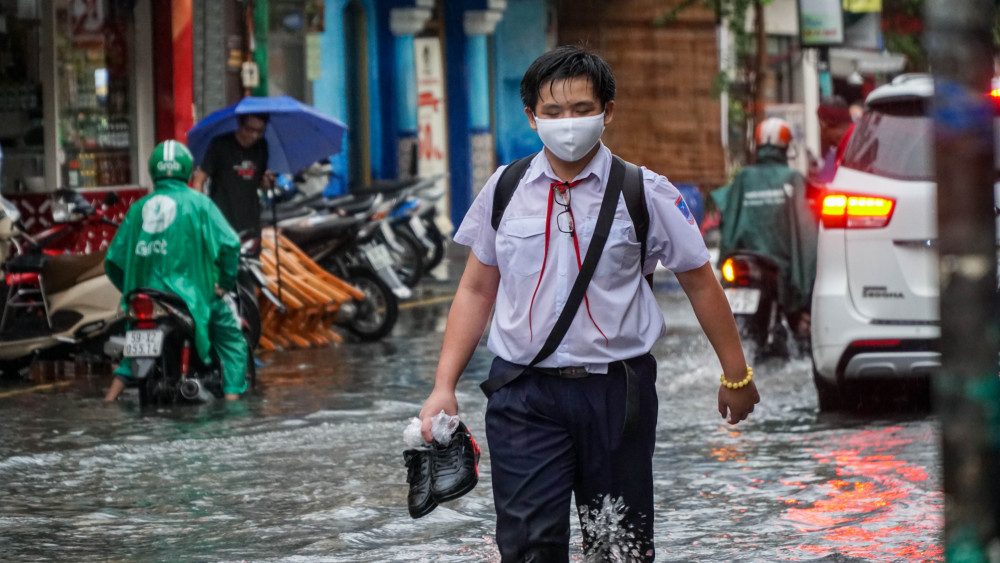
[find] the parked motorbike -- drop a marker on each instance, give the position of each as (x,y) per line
(346,247)
(79,307)
(750,281)
(413,220)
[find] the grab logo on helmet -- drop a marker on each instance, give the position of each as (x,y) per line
(168,166)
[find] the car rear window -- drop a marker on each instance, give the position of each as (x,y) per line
(895,140)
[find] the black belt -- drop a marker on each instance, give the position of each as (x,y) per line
(515,371)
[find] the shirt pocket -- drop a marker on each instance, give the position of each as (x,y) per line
(621,253)
(521,245)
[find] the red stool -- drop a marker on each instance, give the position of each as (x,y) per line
(25,286)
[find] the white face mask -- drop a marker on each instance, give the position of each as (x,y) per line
(570,138)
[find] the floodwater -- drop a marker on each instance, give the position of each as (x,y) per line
(310,467)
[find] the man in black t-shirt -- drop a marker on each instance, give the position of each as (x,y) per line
(236,167)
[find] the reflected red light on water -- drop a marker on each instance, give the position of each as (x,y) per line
(870,504)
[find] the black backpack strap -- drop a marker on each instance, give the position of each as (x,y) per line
(506,184)
(634,191)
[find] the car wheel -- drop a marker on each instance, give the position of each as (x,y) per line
(828,394)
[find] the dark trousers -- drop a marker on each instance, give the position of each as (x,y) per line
(549,437)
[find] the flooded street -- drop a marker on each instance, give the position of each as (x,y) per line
(310,468)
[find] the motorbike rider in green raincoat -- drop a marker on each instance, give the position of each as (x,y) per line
(176,240)
(764,210)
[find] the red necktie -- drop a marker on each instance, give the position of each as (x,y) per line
(562,188)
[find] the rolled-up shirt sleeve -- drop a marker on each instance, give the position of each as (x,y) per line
(476,230)
(674,238)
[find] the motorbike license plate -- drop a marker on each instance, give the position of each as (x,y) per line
(143,343)
(743,301)
(379,256)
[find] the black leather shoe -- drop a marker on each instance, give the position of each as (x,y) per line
(455,466)
(420,501)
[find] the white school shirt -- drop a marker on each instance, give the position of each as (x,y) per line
(621,301)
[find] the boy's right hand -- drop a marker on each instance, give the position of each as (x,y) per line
(437,401)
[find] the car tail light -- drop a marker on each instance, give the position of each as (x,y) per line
(852,211)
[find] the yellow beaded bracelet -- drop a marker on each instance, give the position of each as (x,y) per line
(739,384)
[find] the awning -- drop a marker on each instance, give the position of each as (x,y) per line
(843,62)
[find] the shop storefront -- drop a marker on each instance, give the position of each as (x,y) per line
(76,105)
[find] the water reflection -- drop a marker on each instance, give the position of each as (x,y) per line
(309,468)
(877,506)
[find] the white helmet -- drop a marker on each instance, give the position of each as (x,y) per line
(773,131)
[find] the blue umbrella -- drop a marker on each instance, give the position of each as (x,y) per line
(297,135)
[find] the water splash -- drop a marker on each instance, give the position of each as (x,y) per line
(610,536)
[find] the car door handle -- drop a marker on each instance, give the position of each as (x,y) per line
(916,243)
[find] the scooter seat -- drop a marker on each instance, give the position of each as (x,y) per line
(319,228)
(66,270)
(26,263)
(357,205)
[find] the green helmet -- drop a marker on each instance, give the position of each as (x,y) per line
(171,159)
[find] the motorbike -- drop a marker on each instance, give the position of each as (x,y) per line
(750,281)
(413,221)
(160,339)
(57,305)
(346,247)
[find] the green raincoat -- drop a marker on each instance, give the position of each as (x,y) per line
(764,210)
(175,239)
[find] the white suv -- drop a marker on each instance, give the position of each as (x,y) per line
(875,302)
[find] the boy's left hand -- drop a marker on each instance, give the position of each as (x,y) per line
(737,403)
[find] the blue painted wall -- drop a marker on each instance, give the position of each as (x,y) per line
(377,22)
(479,83)
(457,91)
(405,83)
(519,39)
(329,91)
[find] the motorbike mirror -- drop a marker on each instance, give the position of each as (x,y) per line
(10,210)
(61,211)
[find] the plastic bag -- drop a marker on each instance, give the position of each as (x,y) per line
(443,425)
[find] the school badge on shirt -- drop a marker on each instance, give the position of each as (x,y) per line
(685,211)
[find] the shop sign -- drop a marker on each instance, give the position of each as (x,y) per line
(821,23)
(862,6)
(432,153)
(314,58)
(87,19)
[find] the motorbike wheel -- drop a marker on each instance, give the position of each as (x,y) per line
(752,333)
(251,370)
(410,262)
(434,257)
(147,389)
(377,314)
(250,312)
(14,369)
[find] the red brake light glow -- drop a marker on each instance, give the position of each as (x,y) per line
(141,307)
(848,211)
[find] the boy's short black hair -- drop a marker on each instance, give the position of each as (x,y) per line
(568,61)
